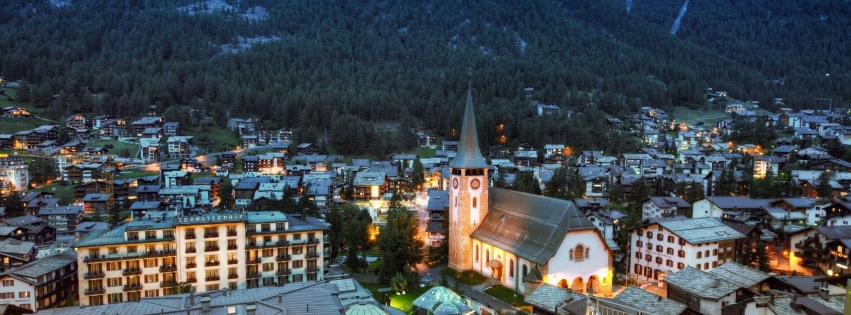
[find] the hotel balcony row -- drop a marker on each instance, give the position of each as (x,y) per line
(151,254)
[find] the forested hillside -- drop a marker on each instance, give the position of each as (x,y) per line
(801,47)
(311,65)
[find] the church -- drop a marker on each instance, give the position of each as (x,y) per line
(517,239)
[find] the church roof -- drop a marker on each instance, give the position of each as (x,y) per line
(469,153)
(529,226)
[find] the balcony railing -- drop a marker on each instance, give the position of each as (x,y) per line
(311,255)
(232,247)
(132,287)
(211,263)
(283,258)
(139,255)
(211,248)
(232,233)
(132,272)
(233,276)
(192,280)
(168,268)
(168,284)
(191,265)
(212,278)
(252,275)
(211,234)
(313,241)
(190,236)
(233,261)
(253,260)
(283,272)
(94,291)
(191,250)
(312,269)
(93,275)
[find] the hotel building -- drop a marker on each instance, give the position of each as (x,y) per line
(150,257)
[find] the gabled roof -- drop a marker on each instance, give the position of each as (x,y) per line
(31,271)
(529,226)
(700,230)
(649,302)
(740,275)
(701,283)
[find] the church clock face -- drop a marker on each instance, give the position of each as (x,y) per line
(475,183)
(455,183)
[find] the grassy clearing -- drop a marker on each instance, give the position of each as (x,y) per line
(425,152)
(404,302)
(65,193)
(118,147)
(13,125)
(469,277)
(507,295)
(213,139)
(134,174)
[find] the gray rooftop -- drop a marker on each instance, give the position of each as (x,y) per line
(442,301)
(740,275)
(16,247)
(547,296)
(527,225)
(701,283)
(33,270)
(369,179)
(649,302)
(700,230)
(469,153)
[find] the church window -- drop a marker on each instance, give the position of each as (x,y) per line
(477,252)
(579,250)
(475,202)
(525,270)
(487,255)
(587,251)
(571,254)
(511,267)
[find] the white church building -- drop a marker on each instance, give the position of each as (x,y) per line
(520,240)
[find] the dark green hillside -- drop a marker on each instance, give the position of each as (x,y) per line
(798,40)
(355,63)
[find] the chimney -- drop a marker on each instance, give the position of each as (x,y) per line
(281,298)
(823,292)
(251,309)
(794,305)
(308,308)
(717,283)
(205,304)
(191,296)
(771,299)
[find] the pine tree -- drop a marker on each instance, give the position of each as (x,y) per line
(761,257)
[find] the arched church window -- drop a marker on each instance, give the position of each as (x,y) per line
(477,252)
(579,250)
(475,202)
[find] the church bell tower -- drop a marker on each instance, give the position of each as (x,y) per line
(468,192)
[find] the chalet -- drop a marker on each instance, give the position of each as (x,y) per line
(547,109)
(663,207)
(143,123)
(765,164)
(449,146)
(716,206)
(7,142)
(244,192)
(114,128)
(16,112)
(186,199)
(614,124)
(179,147)
(153,132)
(76,121)
(249,141)
(307,149)
(282,147)
(595,179)
(241,126)
(832,165)
(97,203)
(36,229)
(147,193)
(526,158)
(139,209)
(171,128)
(83,173)
(215,184)
(16,253)
(62,218)
(282,135)
(805,133)
(228,158)
(369,185)
(149,149)
(176,178)
(250,163)
(317,163)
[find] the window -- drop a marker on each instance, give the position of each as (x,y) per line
(637,269)
(298,278)
(571,254)
(115,298)
(670,239)
(268,266)
(113,265)
(649,235)
(265,227)
(168,233)
(487,255)
(113,282)
(660,249)
(648,272)
(699,255)
(477,253)
(638,255)
(578,253)
(698,266)
(298,263)
(587,252)
(112,250)
(681,265)
(681,253)
(132,236)
(511,268)
(639,243)
(659,260)
(682,241)
(660,237)
(190,275)
(152,293)
(714,252)
(131,249)
(669,263)
(268,252)
(706,266)
(650,246)
(475,203)
(152,278)
(648,257)
(670,251)
(8,283)
(714,264)
(24,294)
(149,235)
(150,263)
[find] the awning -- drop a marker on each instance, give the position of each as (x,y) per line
(493,263)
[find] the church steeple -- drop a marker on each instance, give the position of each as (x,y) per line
(469,154)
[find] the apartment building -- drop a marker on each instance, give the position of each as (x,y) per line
(212,251)
(658,248)
(14,173)
(44,283)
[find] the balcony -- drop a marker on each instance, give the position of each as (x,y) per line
(233,261)
(94,291)
(93,275)
(190,236)
(233,276)
(191,265)
(253,260)
(191,250)
(283,258)
(212,278)
(192,280)
(232,233)
(283,272)
(211,234)
(311,255)
(132,287)
(252,246)
(168,268)
(211,263)
(312,269)
(232,247)
(132,272)
(313,241)
(252,275)
(211,248)
(168,284)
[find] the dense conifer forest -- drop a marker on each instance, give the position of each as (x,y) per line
(361,66)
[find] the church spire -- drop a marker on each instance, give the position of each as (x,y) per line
(469,154)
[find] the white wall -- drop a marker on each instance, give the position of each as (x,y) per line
(16,289)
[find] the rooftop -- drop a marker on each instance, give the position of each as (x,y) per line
(701,283)
(649,302)
(700,230)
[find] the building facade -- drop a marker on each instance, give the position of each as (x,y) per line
(149,257)
(48,282)
(14,173)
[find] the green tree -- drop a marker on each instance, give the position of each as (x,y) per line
(823,187)
(12,201)
(226,197)
(398,244)
(761,258)
(42,170)
(417,174)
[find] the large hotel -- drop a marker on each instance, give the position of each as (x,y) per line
(150,256)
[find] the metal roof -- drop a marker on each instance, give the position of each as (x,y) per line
(442,301)
(743,276)
(530,226)
(469,153)
(700,230)
(33,270)
(701,283)
(649,302)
